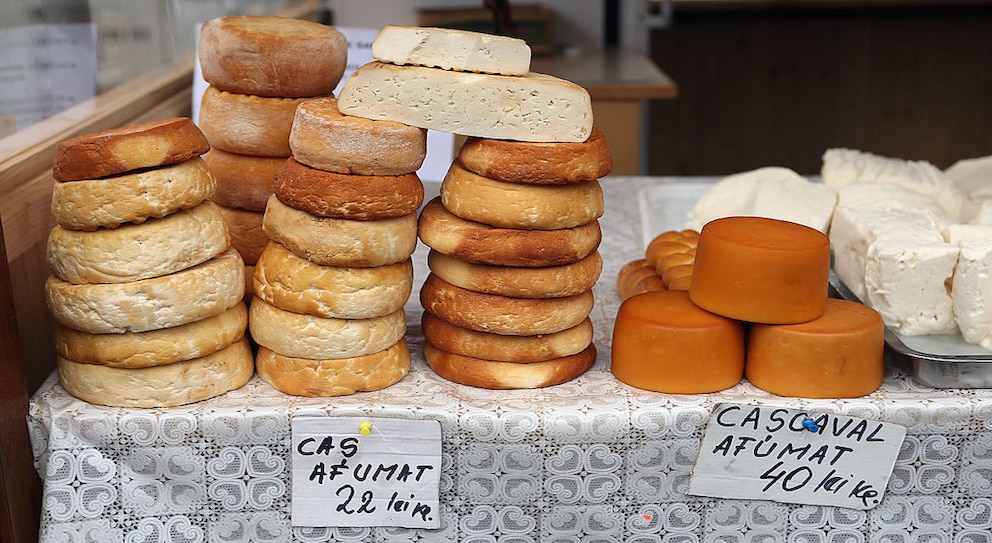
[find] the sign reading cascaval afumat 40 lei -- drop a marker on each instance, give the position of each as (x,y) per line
(350,471)
(792,456)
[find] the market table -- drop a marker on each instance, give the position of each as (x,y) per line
(589,460)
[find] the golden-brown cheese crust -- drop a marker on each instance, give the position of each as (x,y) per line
(538,163)
(523,349)
(340,377)
(243,181)
(245,124)
(247,236)
(518,281)
(498,375)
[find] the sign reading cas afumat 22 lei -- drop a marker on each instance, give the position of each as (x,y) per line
(795,456)
(351,472)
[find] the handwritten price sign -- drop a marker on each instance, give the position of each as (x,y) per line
(793,456)
(366,472)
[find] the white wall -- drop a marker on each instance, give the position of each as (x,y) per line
(578,23)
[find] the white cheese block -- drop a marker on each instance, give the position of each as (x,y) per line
(973,176)
(971,291)
(533,107)
(773,192)
(907,281)
(841,167)
(451,49)
(853,230)
(884,193)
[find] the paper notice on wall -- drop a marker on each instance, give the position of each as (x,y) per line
(44,69)
(794,456)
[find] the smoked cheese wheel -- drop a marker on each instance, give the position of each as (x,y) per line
(247,236)
(243,181)
(245,124)
(764,270)
(518,282)
(665,343)
(498,375)
(538,163)
(335,377)
(505,348)
(838,355)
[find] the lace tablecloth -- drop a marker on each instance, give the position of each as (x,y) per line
(589,460)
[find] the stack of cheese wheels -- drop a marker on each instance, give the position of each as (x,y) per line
(331,285)
(514,233)
(770,276)
(259,69)
(145,288)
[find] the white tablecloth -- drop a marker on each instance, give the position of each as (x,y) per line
(589,460)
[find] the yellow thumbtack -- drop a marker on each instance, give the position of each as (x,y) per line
(365,428)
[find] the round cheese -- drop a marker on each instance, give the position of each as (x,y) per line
(307,336)
(341,242)
(243,181)
(324,139)
(665,343)
(133,197)
(513,205)
(516,281)
(160,386)
(484,244)
(296,284)
(271,56)
(155,347)
(538,163)
(247,236)
(138,251)
(503,314)
(838,355)
(149,304)
(245,124)
(504,348)
(757,269)
(133,147)
(348,196)
(499,375)
(336,377)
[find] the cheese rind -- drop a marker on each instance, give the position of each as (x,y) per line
(839,355)
(665,343)
(534,107)
(452,49)
(336,377)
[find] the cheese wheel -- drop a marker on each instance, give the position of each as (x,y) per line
(247,236)
(149,304)
(133,197)
(838,355)
(503,314)
(636,277)
(513,205)
(475,242)
(665,343)
(531,107)
(499,375)
(296,284)
(243,181)
(138,251)
(341,242)
(155,347)
(521,349)
(170,385)
(348,196)
(133,147)
(307,336)
(271,56)
(337,377)
(245,124)
(516,281)
(757,269)
(452,49)
(324,139)
(538,163)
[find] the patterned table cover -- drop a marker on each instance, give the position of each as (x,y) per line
(589,460)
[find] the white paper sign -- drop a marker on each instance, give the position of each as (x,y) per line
(793,456)
(351,471)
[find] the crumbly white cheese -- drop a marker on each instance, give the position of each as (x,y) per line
(535,107)
(773,192)
(885,193)
(973,176)
(971,290)
(841,167)
(451,49)
(854,229)
(907,281)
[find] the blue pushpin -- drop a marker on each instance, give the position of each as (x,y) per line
(810,425)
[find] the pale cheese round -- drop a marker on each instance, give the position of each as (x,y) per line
(336,377)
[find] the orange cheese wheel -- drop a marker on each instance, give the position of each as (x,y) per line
(665,343)
(839,355)
(764,270)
